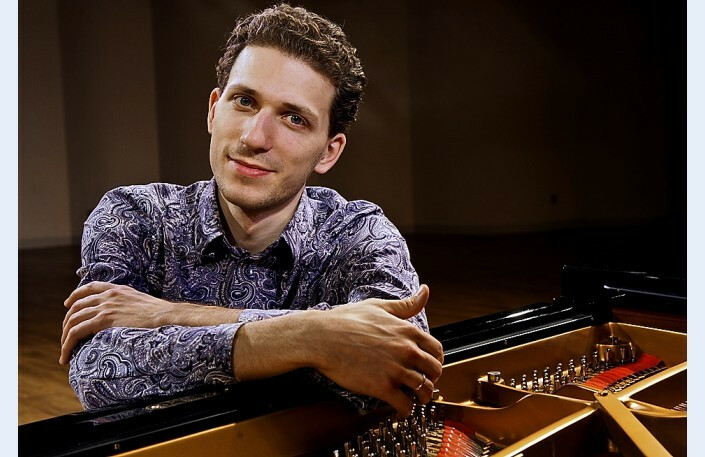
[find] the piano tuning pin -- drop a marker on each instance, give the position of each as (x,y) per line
(547,381)
(524,385)
(432,416)
(583,368)
(512,383)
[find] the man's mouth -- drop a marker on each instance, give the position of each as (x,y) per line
(251,170)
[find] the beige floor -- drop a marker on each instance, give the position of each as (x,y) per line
(47,276)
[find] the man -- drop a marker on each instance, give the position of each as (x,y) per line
(253,274)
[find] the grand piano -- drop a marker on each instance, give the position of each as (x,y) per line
(600,370)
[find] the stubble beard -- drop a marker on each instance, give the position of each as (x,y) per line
(254,201)
(253,197)
(256,198)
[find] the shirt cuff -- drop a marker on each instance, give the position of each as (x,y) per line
(251,315)
(223,348)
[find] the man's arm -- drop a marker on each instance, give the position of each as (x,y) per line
(367,348)
(121,240)
(364,347)
(99,305)
(332,342)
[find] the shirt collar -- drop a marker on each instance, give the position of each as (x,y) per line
(211,226)
(299,228)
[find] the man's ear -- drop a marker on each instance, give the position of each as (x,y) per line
(215,96)
(332,153)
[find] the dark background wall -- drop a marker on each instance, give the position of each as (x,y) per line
(480,118)
(546,113)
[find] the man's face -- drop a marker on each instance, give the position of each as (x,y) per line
(269,130)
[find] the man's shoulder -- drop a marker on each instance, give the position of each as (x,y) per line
(350,230)
(329,202)
(340,218)
(156,195)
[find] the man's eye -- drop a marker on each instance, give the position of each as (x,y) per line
(296,119)
(243,100)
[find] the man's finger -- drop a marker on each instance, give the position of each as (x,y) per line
(430,366)
(418,384)
(407,307)
(432,346)
(85,290)
(76,318)
(80,304)
(400,401)
(76,334)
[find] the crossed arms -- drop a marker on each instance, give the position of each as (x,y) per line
(366,347)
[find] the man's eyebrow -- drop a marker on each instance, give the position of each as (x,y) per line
(241,88)
(301,110)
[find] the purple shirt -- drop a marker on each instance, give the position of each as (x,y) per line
(168,241)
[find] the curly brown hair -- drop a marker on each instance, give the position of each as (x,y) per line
(311,38)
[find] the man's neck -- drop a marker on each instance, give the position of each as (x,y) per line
(253,231)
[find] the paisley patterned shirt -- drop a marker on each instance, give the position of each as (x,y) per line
(168,241)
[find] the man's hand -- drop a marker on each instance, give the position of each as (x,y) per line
(100,305)
(366,347)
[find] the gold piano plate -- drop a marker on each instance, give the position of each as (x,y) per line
(292,432)
(570,421)
(650,407)
(461,381)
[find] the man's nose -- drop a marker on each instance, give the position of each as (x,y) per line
(258,132)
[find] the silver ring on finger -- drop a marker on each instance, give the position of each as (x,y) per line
(423,381)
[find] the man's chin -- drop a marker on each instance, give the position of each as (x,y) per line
(248,200)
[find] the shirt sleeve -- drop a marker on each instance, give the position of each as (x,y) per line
(120,365)
(372,261)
